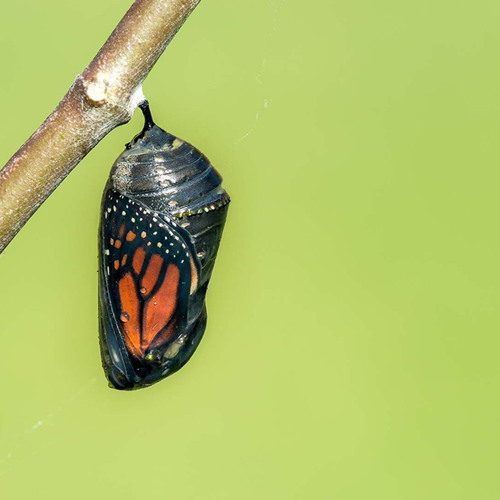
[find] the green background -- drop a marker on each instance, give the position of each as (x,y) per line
(353,340)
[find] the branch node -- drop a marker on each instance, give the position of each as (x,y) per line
(97,89)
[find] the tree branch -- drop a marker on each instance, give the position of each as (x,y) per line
(104,96)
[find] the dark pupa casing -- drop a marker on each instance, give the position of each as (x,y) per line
(172,180)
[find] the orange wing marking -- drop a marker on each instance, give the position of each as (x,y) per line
(129,318)
(138,259)
(130,236)
(152,272)
(160,307)
(165,335)
(194,277)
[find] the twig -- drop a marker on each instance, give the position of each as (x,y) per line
(104,96)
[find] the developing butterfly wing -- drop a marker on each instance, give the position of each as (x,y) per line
(149,273)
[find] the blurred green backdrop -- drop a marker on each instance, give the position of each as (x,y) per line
(353,339)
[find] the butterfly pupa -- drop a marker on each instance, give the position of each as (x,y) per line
(162,216)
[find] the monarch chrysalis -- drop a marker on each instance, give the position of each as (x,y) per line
(162,216)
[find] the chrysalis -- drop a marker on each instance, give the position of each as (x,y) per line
(163,212)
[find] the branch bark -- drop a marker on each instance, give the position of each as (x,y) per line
(104,96)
